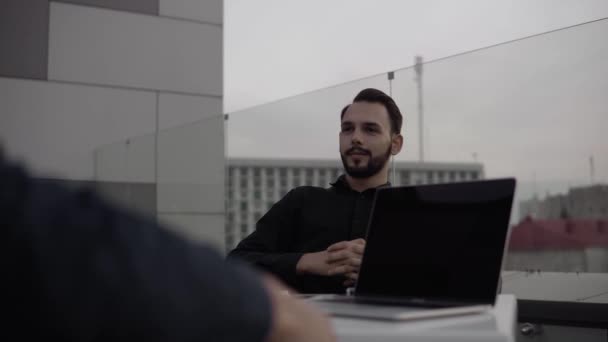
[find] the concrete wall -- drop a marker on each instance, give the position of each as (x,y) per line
(123,92)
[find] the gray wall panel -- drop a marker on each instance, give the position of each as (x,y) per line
(209,11)
(175,110)
(138,197)
(104,47)
(55,128)
(138,6)
(24,28)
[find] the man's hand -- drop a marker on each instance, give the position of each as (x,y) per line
(314,263)
(341,258)
(294,319)
(345,258)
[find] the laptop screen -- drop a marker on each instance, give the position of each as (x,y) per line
(440,242)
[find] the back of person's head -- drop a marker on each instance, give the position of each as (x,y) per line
(377,96)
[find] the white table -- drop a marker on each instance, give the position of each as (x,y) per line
(497,324)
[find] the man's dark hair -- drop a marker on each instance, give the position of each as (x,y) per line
(376,96)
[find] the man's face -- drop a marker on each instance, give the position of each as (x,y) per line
(365,139)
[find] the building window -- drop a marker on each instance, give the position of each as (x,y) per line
(243,182)
(257,194)
(243,206)
(308,176)
(322,182)
(474,175)
(283,172)
(405,177)
(256,172)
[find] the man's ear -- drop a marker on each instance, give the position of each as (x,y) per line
(396,144)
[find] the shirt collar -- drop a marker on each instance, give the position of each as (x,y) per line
(341,183)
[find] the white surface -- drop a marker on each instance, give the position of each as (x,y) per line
(108,47)
(497,324)
(191,167)
(174,110)
(557,286)
(55,127)
(203,10)
(200,228)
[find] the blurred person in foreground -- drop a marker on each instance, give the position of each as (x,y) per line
(76,268)
(313,238)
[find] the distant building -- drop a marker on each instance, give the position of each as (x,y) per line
(254,185)
(562,245)
(589,202)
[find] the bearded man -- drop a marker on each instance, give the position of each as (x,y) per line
(313,238)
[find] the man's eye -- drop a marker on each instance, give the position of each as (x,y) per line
(347,129)
(371,129)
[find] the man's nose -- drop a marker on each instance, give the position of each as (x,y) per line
(356,137)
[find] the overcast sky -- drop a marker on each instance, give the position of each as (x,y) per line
(279,48)
(534,109)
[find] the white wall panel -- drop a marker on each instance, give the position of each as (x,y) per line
(101,46)
(207,10)
(183,197)
(175,110)
(131,160)
(56,127)
(199,228)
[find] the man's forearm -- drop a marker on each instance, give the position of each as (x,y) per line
(282,265)
(313,263)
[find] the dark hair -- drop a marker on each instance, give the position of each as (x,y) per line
(376,96)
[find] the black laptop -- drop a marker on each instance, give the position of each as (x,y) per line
(431,250)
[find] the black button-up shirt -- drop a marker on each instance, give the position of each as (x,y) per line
(307,220)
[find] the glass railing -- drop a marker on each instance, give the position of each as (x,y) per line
(175,176)
(535,109)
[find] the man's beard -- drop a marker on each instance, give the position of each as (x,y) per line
(374,165)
